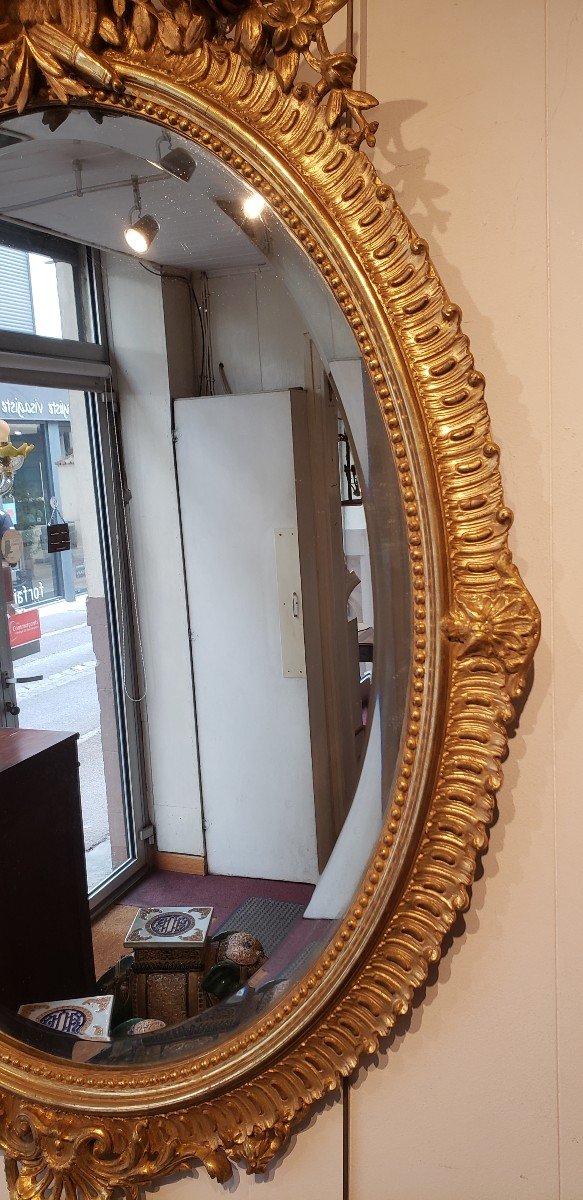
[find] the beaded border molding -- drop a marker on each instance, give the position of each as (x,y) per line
(224,74)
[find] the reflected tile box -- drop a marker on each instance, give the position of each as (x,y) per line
(156,927)
(88,1017)
(170,959)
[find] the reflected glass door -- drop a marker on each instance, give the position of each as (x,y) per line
(60,619)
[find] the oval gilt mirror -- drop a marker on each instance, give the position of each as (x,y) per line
(260,629)
(288,518)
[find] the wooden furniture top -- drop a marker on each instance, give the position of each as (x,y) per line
(18,745)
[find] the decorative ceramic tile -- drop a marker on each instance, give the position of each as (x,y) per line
(88,1018)
(169,927)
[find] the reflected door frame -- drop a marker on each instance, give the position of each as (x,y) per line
(127,720)
(85,367)
(8,720)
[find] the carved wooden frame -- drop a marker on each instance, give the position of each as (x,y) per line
(222,72)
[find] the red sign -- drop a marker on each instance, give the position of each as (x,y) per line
(24,627)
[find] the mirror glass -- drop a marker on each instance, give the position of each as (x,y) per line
(205,602)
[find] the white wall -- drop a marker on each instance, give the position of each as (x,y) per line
(481,130)
(320,314)
(139,348)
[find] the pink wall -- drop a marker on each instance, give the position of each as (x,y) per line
(481,117)
(484,133)
(479,1098)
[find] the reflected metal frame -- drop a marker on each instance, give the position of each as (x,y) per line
(135,792)
(223,75)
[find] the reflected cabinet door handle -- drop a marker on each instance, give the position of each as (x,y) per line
(296,605)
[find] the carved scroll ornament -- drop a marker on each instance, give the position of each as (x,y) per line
(226,74)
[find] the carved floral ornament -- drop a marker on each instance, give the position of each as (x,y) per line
(225,74)
(46,36)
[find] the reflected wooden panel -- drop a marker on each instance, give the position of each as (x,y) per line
(45,948)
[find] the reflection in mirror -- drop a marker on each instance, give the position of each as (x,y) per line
(226,622)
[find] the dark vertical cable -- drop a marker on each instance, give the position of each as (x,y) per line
(189,627)
(345,1139)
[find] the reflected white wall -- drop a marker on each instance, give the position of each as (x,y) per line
(139,348)
(346,865)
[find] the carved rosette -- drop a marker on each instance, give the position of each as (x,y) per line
(501,623)
(224,73)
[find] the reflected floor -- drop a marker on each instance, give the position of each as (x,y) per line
(225,893)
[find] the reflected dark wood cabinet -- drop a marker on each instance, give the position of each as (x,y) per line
(45,949)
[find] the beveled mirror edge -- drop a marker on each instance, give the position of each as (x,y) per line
(382,277)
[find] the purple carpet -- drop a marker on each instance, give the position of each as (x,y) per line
(224,892)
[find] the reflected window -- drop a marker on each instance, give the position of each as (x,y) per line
(62,609)
(41,285)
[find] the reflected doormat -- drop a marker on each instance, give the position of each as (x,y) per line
(305,958)
(268,920)
(109,932)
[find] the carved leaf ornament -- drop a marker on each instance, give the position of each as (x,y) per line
(225,74)
(66,40)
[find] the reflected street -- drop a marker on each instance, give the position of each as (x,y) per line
(68,687)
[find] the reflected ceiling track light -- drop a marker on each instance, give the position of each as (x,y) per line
(141,229)
(176,161)
(256,229)
(253,206)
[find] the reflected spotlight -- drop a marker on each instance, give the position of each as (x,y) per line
(177,161)
(140,233)
(253,206)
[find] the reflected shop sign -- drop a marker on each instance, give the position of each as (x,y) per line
(24,627)
(29,404)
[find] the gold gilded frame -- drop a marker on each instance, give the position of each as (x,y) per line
(223,73)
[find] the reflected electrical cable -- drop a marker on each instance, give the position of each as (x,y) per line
(225,381)
(208,374)
(181,279)
(119,526)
